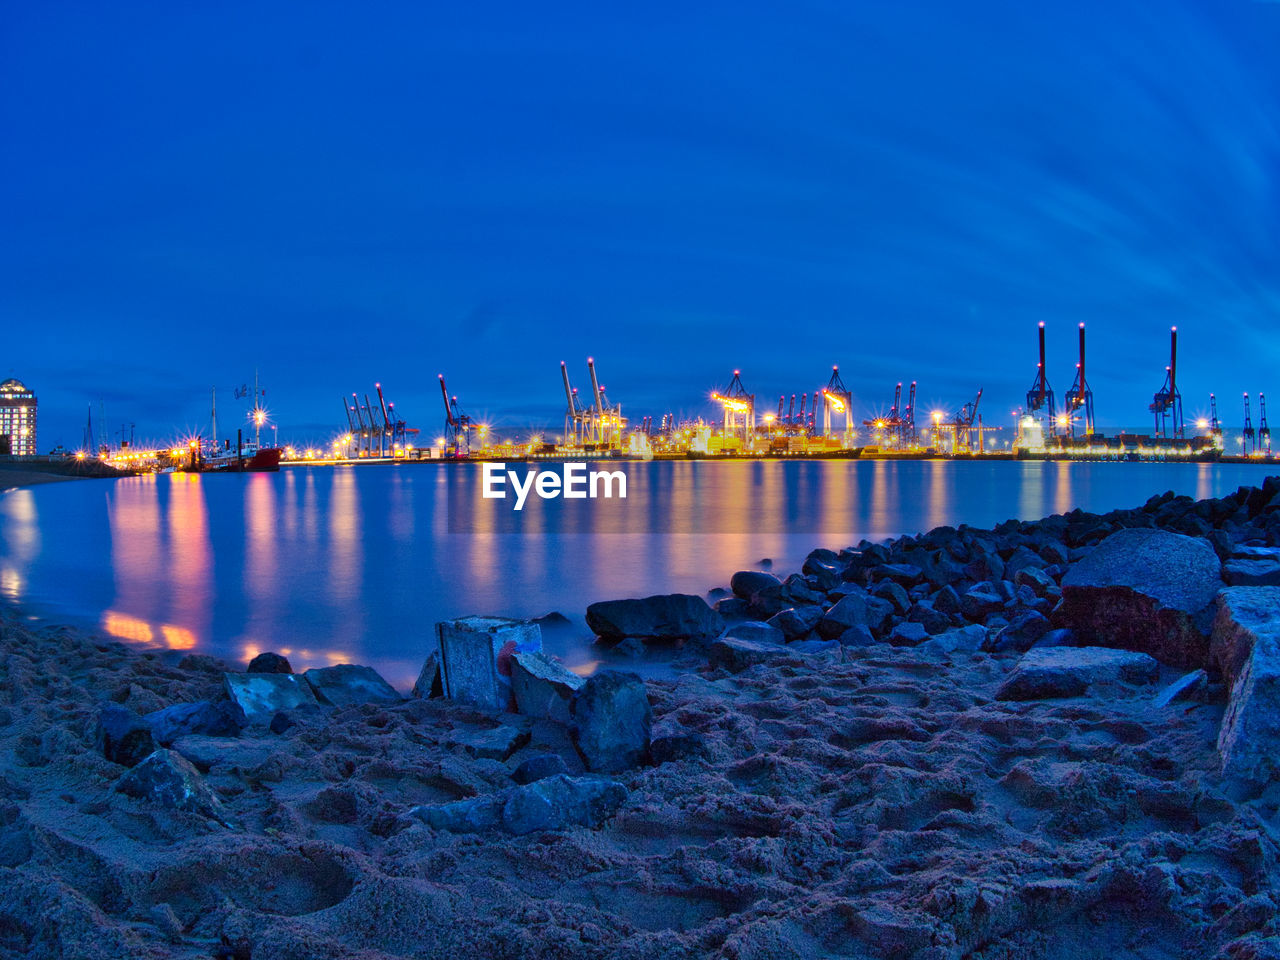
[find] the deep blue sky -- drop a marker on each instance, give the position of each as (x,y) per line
(337,194)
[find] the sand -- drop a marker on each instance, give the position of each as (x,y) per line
(885,807)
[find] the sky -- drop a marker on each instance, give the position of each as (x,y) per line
(334,195)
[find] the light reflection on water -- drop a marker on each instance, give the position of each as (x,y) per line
(357,563)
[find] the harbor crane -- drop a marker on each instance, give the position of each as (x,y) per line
(963,427)
(740,406)
(899,427)
(1264,431)
(1080,397)
(606,423)
(1248,439)
(1215,426)
(574,415)
(1040,396)
(836,399)
(457,425)
(1167,403)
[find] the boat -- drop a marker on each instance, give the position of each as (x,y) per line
(248,456)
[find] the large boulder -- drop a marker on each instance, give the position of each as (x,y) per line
(349,684)
(796,622)
(122,736)
(220,718)
(1246,648)
(1048,672)
(747,583)
(168,780)
(1144,590)
(611,721)
(262,695)
(673,616)
(549,803)
(543,687)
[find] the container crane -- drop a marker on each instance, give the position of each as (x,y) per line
(1248,439)
(1080,397)
(1167,403)
(574,414)
(457,425)
(1040,396)
(837,399)
(738,405)
(1264,431)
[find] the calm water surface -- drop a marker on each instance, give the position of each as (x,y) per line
(356,563)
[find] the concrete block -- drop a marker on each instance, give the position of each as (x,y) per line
(475,655)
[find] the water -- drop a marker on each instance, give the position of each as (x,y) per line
(355,564)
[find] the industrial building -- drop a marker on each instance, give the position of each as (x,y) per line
(17,419)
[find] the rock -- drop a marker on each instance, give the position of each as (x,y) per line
(894,594)
(905,574)
(675,616)
(1256,572)
(205,753)
(539,767)
(551,803)
(1144,590)
(429,683)
(737,655)
(168,780)
(122,736)
(733,607)
(967,639)
(821,651)
(219,719)
(1057,638)
(879,614)
(747,583)
(933,621)
(980,601)
(269,663)
(1035,578)
(350,685)
(476,654)
(611,720)
(908,634)
(795,591)
(1020,635)
(543,688)
(755,632)
(947,601)
(1070,671)
(849,612)
(497,743)
(824,573)
(1246,647)
(985,567)
(857,636)
(262,695)
(1184,688)
(796,622)
(1021,559)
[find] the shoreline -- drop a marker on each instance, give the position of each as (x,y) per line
(864,785)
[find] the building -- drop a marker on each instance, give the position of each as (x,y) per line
(17,419)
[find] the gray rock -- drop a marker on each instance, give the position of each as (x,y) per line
(122,736)
(905,574)
(1184,688)
(894,593)
(967,639)
(747,583)
(879,614)
(1020,635)
(737,655)
(269,663)
(1035,578)
(819,651)
(824,573)
(496,743)
(978,603)
(475,657)
(350,684)
(675,616)
(539,767)
(1022,559)
(796,622)
(543,688)
(611,721)
(908,634)
(934,621)
(986,567)
(1246,647)
(205,753)
(849,612)
(262,695)
(1144,590)
(168,780)
(1049,672)
(754,631)
(947,600)
(429,683)
(551,803)
(1257,572)
(218,719)
(733,607)
(856,636)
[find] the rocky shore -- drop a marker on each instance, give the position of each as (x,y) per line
(1057,739)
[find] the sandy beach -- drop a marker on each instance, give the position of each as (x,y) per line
(835,799)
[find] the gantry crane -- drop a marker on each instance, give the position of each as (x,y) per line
(457,425)
(1167,403)
(1080,397)
(1040,396)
